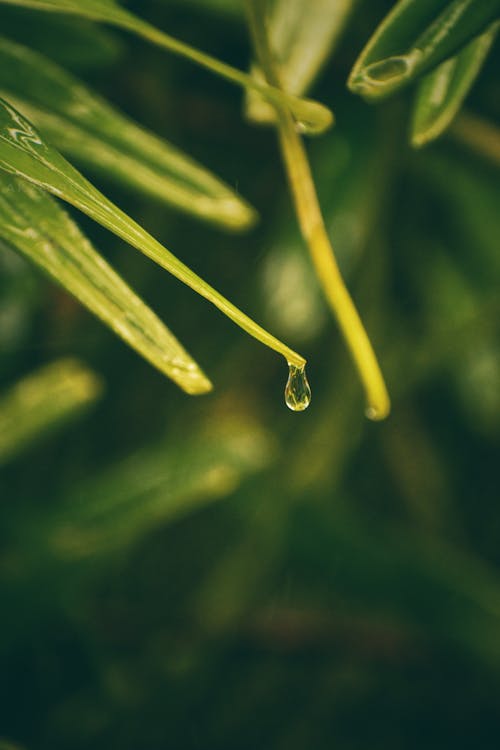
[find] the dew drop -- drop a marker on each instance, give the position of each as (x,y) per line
(388,69)
(297,390)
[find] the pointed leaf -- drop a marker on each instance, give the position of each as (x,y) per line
(442,92)
(302,35)
(478,134)
(42,402)
(32,223)
(84,126)
(311,116)
(416,36)
(157,486)
(24,154)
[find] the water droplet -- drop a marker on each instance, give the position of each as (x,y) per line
(297,391)
(386,70)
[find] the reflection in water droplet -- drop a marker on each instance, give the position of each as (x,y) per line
(297,391)
(386,70)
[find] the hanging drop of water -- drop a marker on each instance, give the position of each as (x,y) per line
(297,390)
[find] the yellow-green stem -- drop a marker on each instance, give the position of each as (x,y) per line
(314,116)
(315,235)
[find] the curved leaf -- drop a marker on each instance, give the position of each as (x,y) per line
(157,486)
(24,154)
(42,402)
(33,223)
(85,127)
(302,35)
(416,36)
(312,116)
(442,93)
(478,134)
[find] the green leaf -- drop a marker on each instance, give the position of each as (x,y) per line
(24,154)
(84,126)
(36,226)
(42,402)
(442,92)
(315,235)
(416,36)
(311,116)
(302,36)
(350,168)
(230,8)
(158,486)
(478,134)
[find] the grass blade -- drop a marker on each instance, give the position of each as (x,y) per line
(42,402)
(416,36)
(315,235)
(442,92)
(302,35)
(479,135)
(85,127)
(33,223)
(311,116)
(156,487)
(24,154)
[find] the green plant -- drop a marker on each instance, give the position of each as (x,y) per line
(87,128)
(216,572)
(67,109)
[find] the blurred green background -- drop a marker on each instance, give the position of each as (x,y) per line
(221,573)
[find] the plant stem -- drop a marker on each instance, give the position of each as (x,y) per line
(314,232)
(314,117)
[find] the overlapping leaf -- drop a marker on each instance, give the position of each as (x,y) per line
(24,154)
(88,129)
(312,116)
(302,36)
(415,37)
(157,486)
(36,226)
(442,92)
(351,173)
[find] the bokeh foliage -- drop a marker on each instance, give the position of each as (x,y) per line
(219,572)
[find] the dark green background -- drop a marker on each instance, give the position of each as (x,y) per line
(345,596)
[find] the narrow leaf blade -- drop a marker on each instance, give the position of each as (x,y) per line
(85,127)
(32,223)
(415,37)
(311,116)
(156,487)
(24,154)
(442,92)
(302,36)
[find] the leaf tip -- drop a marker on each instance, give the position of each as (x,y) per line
(378,412)
(195,383)
(237,214)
